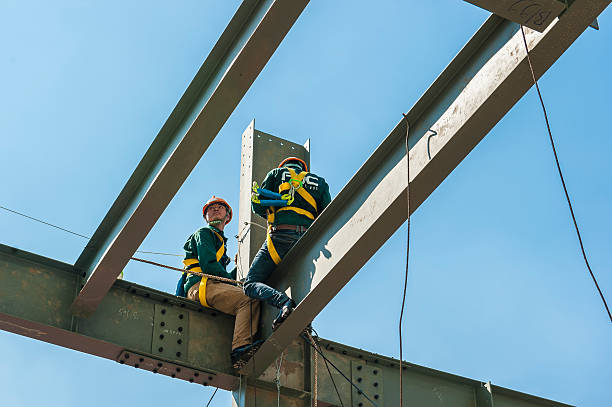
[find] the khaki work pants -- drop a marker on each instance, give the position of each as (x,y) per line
(230,299)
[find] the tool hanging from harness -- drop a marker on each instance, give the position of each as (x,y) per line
(194,265)
(283,200)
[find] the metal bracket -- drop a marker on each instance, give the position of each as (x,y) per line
(167,368)
(170,332)
(370,380)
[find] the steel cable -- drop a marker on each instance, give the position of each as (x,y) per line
(567,197)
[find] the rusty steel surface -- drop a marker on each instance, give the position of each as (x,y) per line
(244,48)
(488,76)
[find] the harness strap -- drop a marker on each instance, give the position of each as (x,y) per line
(273,253)
(194,265)
(202,292)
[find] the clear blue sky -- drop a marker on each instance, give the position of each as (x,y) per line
(498,289)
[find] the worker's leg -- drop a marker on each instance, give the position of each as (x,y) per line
(231,300)
(263,266)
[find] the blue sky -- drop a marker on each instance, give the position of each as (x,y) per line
(497,290)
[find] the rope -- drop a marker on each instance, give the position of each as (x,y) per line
(75,233)
(316,378)
(211,397)
(225,280)
(305,336)
(401,367)
(279,363)
(316,341)
(567,197)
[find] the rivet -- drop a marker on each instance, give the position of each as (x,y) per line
(141,360)
(127,356)
(154,370)
(163,311)
(375,371)
(179,341)
(180,329)
(84,274)
(122,361)
(160,364)
(205,384)
(360,356)
(147,295)
(359,367)
(375,384)
(344,352)
(178,354)
(191,380)
(162,323)
(196,374)
(359,392)
(165,300)
(161,336)
(161,349)
(359,380)
(180,316)
(209,377)
(376,396)
(360,404)
(136,365)
(173,375)
(178,369)
(331,348)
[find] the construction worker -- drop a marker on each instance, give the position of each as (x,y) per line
(306,195)
(205,252)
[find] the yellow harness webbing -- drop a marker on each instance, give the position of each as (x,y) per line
(193,264)
(273,253)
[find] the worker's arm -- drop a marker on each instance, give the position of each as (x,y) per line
(207,253)
(270,183)
(325,197)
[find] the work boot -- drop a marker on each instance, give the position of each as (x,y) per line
(283,313)
(241,355)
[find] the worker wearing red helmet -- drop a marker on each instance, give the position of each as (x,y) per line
(309,195)
(206,252)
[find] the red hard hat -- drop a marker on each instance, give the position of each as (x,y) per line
(289,159)
(215,200)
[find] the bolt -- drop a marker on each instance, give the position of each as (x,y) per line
(173,375)
(180,316)
(154,370)
(359,380)
(196,374)
(141,360)
(162,323)
(209,377)
(136,365)
(344,352)
(180,329)
(163,311)
(178,369)
(161,349)
(178,354)
(359,367)
(360,404)
(375,384)
(205,384)
(161,336)
(165,300)
(376,396)
(127,356)
(375,371)
(147,295)
(179,341)
(122,361)
(191,380)
(159,364)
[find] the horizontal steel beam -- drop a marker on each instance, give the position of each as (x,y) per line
(236,60)
(488,76)
(36,292)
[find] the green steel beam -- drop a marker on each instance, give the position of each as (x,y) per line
(35,298)
(242,51)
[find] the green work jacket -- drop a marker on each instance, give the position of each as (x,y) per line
(201,252)
(277,181)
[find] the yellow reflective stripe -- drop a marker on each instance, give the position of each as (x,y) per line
(189,262)
(297,210)
(272,250)
(202,292)
(221,250)
(307,197)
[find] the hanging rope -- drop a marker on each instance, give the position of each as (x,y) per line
(401,360)
(316,341)
(279,364)
(305,336)
(225,280)
(567,197)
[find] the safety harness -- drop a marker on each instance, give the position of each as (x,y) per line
(194,265)
(286,193)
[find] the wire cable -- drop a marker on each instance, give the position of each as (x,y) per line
(211,397)
(303,335)
(401,360)
(78,234)
(567,197)
(327,366)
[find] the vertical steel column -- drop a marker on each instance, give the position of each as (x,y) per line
(260,153)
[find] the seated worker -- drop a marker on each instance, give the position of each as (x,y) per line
(286,224)
(205,252)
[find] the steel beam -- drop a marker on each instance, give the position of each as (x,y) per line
(35,297)
(488,76)
(238,57)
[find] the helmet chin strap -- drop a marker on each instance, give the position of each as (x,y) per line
(215,222)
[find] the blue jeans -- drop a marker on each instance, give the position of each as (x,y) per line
(263,266)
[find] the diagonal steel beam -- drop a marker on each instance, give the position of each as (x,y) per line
(488,76)
(244,48)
